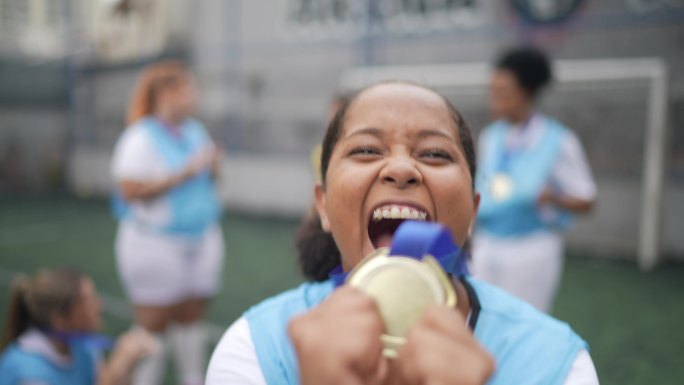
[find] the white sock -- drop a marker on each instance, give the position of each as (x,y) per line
(189,346)
(150,369)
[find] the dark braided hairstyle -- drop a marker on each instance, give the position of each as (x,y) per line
(317,252)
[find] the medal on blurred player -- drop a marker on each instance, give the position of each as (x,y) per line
(501,187)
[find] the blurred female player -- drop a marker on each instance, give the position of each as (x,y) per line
(403,149)
(49,335)
(533,174)
(169,246)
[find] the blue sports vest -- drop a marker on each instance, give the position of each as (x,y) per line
(529,347)
(529,168)
(194,204)
(18,366)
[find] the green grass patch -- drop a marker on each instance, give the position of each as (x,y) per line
(630,319)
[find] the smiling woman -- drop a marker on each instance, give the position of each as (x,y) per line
(395,146)
(397,151)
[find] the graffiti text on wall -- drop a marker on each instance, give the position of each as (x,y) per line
(341,17)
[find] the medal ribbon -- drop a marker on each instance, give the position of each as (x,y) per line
(503,165)
(99,341)
(415,239)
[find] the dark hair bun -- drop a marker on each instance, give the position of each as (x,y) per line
(317,252)
(530,66)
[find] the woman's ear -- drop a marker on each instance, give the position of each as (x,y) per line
(321,206)
(476,206)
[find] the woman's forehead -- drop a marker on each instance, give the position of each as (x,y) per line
(397,93)
(393,103)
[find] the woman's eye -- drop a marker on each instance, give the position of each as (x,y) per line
(364,151)
(436,154)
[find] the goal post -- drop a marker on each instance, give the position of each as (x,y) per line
(652,70)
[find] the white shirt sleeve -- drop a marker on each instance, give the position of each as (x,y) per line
(134,157)
(571,173)
(234,360)
(582,371)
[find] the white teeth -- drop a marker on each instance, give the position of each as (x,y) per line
(398,212)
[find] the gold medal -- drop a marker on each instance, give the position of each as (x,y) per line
(501,187)
(403,288)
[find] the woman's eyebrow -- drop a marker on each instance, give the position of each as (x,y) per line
(428,133)
(367,131)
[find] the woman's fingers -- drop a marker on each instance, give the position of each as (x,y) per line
(441,350)
(339,341)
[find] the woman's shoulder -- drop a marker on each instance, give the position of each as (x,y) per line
(17,364)
(554,124)
(497,125)
(497,303)
(135,135)
(524,341)
(301,298)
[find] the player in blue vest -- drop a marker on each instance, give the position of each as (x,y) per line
(533,175)
(169,245)
(397,151)
(49,335)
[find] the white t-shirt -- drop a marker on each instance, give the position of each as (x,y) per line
(234,361)
(136,159)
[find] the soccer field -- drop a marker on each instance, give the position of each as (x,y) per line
(632,320)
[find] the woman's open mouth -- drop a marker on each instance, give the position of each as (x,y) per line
(385,220)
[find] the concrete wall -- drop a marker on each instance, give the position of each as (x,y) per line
(271,186)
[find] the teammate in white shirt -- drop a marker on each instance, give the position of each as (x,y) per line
(169,246)
(532,176)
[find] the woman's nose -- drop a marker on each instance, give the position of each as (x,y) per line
(401,172)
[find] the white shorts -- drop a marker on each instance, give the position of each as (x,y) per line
(163,270)
(529,267)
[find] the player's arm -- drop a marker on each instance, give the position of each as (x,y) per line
(130,348)
(574,188)
(135,190)
(576,205)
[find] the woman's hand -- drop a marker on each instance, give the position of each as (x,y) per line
(130,348)
(206,159)
(134,345)
(549,197)
(338,342)
(440,349)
